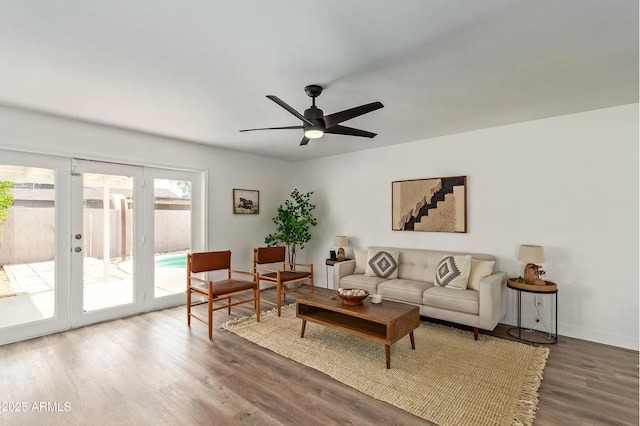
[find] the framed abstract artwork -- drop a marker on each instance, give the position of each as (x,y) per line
(246,201)
(430,205)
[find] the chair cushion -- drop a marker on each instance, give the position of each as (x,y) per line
(220,288)
(287,276)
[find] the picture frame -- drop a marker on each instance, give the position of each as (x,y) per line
(246,201)
(430,205)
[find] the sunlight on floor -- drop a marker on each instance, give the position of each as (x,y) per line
(34,288)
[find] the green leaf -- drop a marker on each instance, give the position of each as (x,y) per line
(6,200)
(293,221)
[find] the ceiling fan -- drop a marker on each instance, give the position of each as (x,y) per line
(316,124)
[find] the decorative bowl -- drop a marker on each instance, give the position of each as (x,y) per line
(348,299)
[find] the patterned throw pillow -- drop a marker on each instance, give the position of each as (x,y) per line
(383,264)
(453,272)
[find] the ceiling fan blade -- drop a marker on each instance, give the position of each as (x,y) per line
(334,119)
(344,130)
(284,105)
(272,128)
(305,140)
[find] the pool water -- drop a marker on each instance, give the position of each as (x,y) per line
(179,261)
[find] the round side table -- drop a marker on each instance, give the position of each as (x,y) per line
(516,332)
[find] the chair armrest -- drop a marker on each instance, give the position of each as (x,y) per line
(308,265)
(199,280)
(235,271)
(266,269)
(342,269)
(493,300)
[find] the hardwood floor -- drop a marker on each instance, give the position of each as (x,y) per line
(152,369)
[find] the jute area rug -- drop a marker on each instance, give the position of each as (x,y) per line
(450,379)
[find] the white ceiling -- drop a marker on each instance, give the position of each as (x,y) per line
(200,70)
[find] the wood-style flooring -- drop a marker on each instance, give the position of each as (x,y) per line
(152,369)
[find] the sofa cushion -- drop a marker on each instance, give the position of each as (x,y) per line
(418,265)
(383,263)
(361,281)
(453,272)
(361,261)
(452,299)
(480,269)
(404,290)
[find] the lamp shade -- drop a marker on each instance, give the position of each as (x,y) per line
(531,254)
(340,241)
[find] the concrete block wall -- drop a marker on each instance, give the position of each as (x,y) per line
(28,235)
(172,230)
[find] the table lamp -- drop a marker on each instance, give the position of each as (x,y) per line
(532,255)
(339,242)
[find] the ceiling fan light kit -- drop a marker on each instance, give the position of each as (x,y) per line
(314,132)
(315,124)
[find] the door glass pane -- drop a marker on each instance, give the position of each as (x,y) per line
(172,235)
(27,244)
(107,241)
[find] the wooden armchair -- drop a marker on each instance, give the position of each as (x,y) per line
(218,290)
(282,275)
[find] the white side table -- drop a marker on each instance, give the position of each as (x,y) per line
(328,263)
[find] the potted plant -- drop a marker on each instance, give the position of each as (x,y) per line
(293,224)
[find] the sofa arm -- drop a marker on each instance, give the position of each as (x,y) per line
(493,300)
(342,269)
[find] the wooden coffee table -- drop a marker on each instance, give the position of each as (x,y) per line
(386,322)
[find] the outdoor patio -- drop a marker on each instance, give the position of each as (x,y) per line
(33,286)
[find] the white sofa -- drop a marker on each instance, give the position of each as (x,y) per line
(480,309)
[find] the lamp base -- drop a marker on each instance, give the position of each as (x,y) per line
(531,274)
(341,255)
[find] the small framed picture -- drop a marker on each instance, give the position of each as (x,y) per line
(246,201)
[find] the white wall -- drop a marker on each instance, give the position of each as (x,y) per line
(225,170)
(568,183)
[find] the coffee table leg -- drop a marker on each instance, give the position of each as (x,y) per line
(304,323)
(413,342)
(387,352)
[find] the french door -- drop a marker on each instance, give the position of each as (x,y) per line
(88,241)
(131,230)
(174,225)
(107,236)
(34,252)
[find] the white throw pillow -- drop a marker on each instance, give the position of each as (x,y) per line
(480,269)
(453,272)
(361,261)
(383,263)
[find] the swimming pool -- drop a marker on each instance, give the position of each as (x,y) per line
(176,261)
